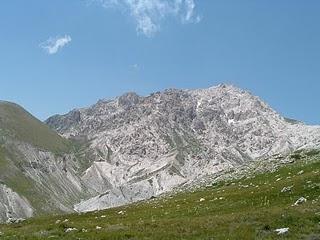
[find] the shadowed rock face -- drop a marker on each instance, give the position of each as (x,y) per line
(73,117)
(128,100)
(144,146)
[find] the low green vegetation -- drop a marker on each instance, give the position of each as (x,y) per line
(248,208)
(18,124)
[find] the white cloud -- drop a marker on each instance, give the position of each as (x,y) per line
(135,67)
(190,12)
(53,45)
(149,14)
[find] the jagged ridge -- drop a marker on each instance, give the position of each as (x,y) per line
(145,146)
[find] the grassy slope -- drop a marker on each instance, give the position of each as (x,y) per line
(243,209)
(18,125)
(21,125)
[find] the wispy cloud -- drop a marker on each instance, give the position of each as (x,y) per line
(53,45)
(149,14)
(190,12)
(135,67)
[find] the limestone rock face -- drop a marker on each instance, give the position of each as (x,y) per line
(145,146)
(41,181)
(12,206)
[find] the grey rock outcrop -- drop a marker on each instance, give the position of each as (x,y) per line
(145,146)
(13,206)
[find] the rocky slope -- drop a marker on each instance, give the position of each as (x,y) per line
(13,206)
(38,169)
(144,146)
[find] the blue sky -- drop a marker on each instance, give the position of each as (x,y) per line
(271,48)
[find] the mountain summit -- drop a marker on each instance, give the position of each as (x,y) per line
(144,146)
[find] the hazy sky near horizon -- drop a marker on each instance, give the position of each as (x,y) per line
(59,55)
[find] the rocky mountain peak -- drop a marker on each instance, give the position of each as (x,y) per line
(128,99)
(148,145)
(132,147)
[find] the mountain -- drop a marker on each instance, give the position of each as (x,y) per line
(145,146)
(38,168)
(133,148)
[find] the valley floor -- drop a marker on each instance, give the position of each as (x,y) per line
(249,208)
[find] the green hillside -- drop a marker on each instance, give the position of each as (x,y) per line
(249,208)
(18,124)
(18,127)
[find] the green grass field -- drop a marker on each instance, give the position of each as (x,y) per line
(250,208)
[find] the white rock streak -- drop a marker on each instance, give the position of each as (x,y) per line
(281,231)
(12,205)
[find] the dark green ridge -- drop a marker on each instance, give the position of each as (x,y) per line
(18,124)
